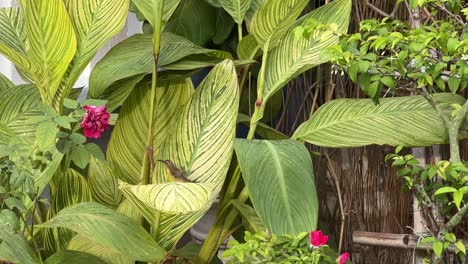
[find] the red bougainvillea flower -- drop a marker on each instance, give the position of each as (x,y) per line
(317,239)
(95,121)
(343,258)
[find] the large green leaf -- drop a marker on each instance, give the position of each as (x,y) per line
(201,144)
(172,198)
(407,121)
(249,215)
(73,257)
(236,8)
(79,243)
(110,256)
(116,94)
(273,19)
(195,20)
(146,8)
(254,6)
(95,22)
(71,188)
(51,44)
(19,110)
(108,228)
(281,184)
(5,83)
(293,56)
(13,29)
(133,56)
(128,141)
(14,248)
(103,184)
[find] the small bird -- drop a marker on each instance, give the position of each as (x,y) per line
(178,174)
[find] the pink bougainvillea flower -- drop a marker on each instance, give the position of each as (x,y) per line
(95,121)
(317,239)
(343,258)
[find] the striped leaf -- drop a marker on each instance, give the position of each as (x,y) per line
(248,48)
(236,8)
(133,56)
(273,19)
(409,121)
(201,144)
(5,135)
(21,117)
(14,248)
(13,31)
(249,215)
(127,144)
(281,184)
(95,22)
(293,56)
(13,40)
(5,83)
(109,255)
(126,208)
(51,44)
(251,12)
(146,8)
(103,184)
(116,94)
(73,257)
(173,198)
(71,188)
(108,228)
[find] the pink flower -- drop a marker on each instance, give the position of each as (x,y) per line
(317,239)
(95,121)
(343,258)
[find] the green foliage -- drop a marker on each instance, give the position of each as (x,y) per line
(263,247)
(390,54)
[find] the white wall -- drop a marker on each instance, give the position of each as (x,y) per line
(132,27)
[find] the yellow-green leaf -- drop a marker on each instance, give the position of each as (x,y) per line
(108,228)
(146,8)
(109,255)
(127,146)
(51,44)
(274,18)
(103,184)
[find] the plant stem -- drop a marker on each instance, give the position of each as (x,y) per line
(259,104)
(148,162)
(239,31)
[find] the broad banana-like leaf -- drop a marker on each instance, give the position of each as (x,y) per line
(51,44)
(249,215)
(194,62)
(146,8)
(201,144)
(293,56)
(281,183)
(409,121)
(127,145)
(5,135)
(134,56)
(172,198)
(116,94)
(5,83)
(236,8)
(15,249)
(110,256)
(248,48)
(73,257)
(95,22)
(71,188)
(21,117)
(224,26)
(195,20)
(13,30)
(126,208)
(274,18)
(251,12)
(108,228)
(103,184)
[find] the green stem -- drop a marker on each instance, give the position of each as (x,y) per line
(259,104)
(239,31)
(148,163)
